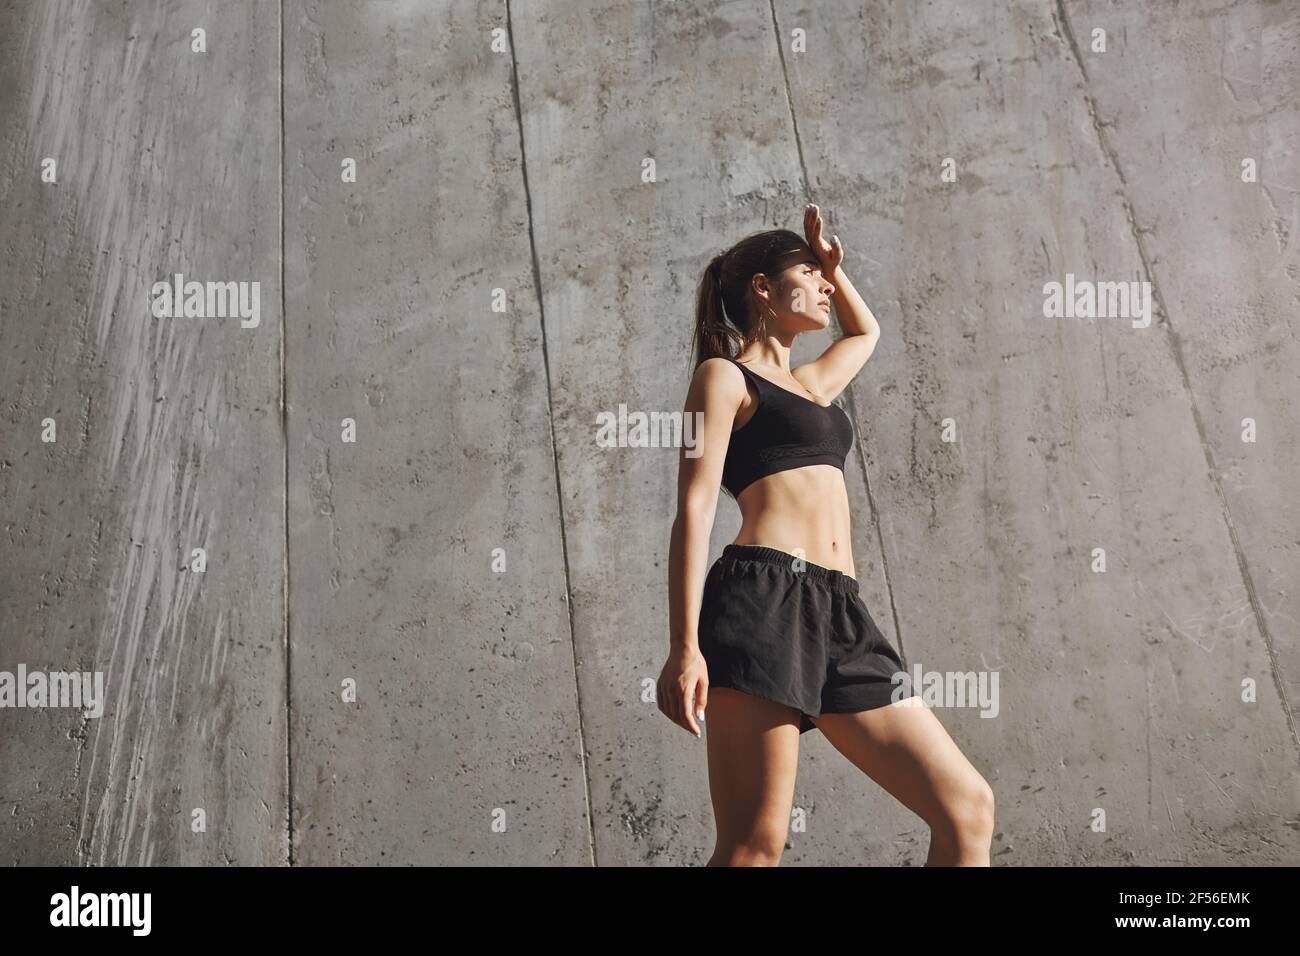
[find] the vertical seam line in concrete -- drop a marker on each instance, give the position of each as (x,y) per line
(1243,566)
(852,402)
(284,517)
(550,413)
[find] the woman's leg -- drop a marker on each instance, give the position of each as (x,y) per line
(753,746)
(905,749)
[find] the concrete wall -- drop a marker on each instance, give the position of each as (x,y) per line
(493,583)
(167,435)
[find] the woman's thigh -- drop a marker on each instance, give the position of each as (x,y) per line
(905,749)
(753,748)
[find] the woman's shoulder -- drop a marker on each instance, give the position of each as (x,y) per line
(720,375)
(716,369)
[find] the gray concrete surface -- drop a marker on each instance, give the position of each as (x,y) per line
(168,435)
(501,714)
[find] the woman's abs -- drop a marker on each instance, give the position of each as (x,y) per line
(802,511)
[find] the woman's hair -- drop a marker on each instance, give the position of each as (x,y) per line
(726,316)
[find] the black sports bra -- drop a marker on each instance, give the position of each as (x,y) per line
(786,431)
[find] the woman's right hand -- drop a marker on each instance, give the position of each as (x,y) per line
(682,692)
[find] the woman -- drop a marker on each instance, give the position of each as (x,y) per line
(774,640)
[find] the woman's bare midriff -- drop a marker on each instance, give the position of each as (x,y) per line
(800,511)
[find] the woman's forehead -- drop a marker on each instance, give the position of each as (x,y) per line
(798,257)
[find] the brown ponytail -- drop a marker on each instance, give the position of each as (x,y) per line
(714,337)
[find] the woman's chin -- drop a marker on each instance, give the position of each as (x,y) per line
(816,322)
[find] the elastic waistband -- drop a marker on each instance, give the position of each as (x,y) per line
(758,552)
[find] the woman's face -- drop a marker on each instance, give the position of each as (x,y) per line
(804,297)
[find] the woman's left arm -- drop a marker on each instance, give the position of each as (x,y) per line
(835,368)
(854,316)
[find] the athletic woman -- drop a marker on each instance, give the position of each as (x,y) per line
(774,640)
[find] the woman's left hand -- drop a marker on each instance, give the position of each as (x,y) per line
(830,254)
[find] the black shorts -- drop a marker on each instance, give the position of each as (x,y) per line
(796,633)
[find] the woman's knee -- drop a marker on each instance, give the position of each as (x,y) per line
(968,814)
(760,848)
(746,855)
